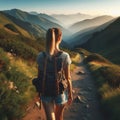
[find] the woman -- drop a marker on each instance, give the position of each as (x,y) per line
(54,106)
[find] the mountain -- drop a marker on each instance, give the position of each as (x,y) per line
(33,13)
(83,36)
(69,19)
(106,42)
(87,23)
(18,37)
(25,28)
(35,19)
(50,18)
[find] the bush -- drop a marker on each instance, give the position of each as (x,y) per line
(4,60)
(11,27)
(96,57)
(112,75)
(19,48)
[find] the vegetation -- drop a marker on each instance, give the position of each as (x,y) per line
(13,84)
(11,27)
(107,76)
(20,46)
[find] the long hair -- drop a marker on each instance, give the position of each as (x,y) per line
(50,41)
(58,34)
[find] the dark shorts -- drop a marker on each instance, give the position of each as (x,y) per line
(60,99)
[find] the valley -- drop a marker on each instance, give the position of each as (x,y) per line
(96,39)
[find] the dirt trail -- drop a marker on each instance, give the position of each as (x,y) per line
(85,105)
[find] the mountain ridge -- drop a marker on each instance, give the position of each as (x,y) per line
(84,35)
(90,23)
(35,19)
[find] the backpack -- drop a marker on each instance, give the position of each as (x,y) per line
(52,81)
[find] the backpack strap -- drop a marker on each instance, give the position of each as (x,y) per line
(44,73)
(56,75)
(62,71)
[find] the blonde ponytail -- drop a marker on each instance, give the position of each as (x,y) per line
(50,41)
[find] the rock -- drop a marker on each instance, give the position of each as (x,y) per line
(89,88)
(85,118)
(83,93)
(88,115)
(87,106)
(78,99)
(81,72)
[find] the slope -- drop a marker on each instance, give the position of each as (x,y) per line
(84,35)
(4,20)
(106,42)
(87,23)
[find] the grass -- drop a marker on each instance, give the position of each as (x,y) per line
(75,61)
(107,78)
(20,72)
(75,58)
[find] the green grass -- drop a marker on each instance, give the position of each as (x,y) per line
(20,72)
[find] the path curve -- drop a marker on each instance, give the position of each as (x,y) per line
(86,105)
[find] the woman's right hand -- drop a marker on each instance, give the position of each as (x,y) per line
(70,99)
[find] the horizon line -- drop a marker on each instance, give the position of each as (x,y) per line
(82,13)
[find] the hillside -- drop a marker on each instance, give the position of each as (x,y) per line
(87,23)
(5,22)
(83,36)
(106,42)
(18,37)
(18,52)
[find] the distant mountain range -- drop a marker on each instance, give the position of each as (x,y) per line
(87,23)
(17,22)
(49,17)
(70,19)
(45,22)
(83,36)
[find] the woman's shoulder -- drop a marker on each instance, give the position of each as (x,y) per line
(66,57)
(64,53)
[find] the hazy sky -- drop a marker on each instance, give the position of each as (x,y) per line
(93,7)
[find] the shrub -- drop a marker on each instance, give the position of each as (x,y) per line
(96,57)
(11,27)
(111,75)
(4,60)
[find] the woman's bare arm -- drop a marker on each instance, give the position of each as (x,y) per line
(68,77)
